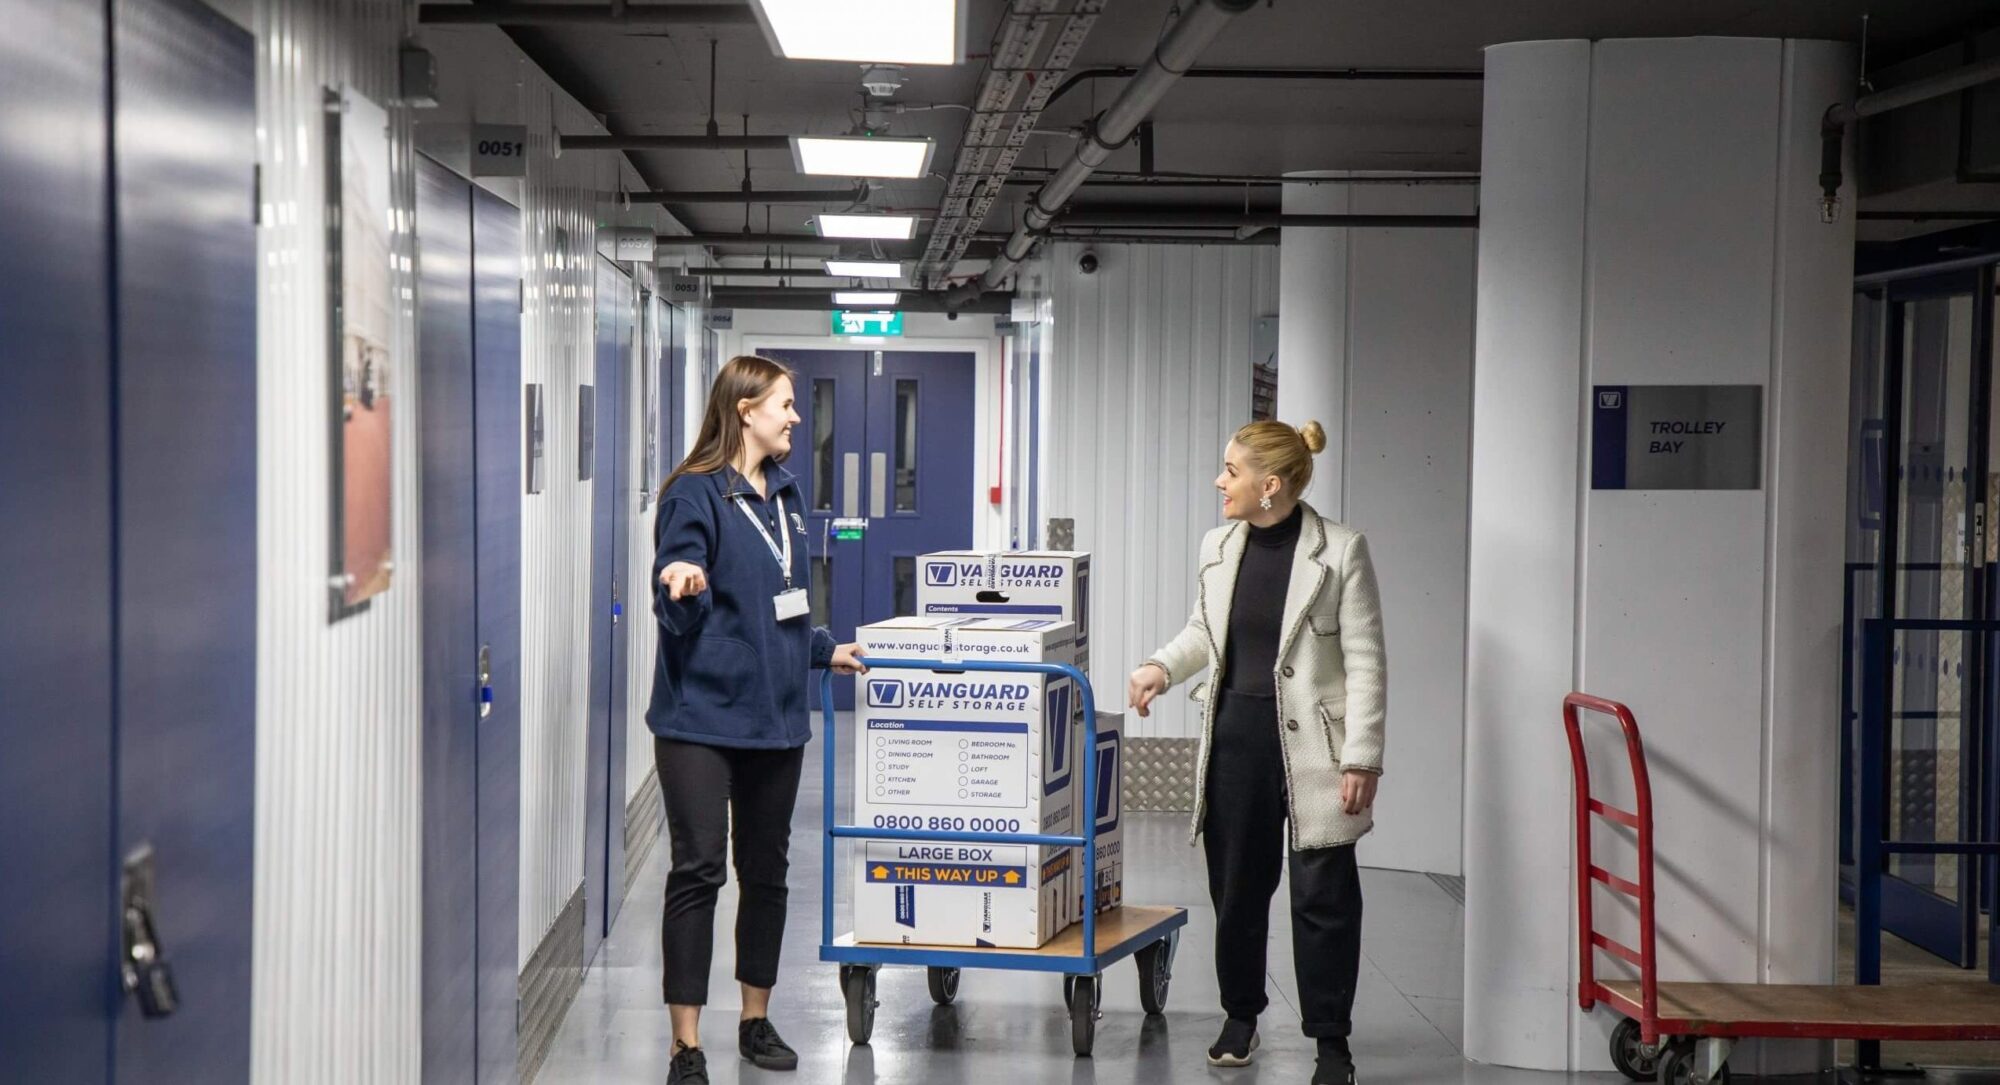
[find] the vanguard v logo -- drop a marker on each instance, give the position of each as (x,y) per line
(885,693)
(1108,798)
(1055,738)
(941,574)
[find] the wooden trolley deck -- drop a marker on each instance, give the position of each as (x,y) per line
(1926,1012)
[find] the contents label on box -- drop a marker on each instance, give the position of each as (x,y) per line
(925,763)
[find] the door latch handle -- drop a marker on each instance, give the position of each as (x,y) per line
(485,680)
(147,974)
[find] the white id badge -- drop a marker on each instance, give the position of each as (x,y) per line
(791,604)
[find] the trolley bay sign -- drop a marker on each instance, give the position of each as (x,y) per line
(1677,437)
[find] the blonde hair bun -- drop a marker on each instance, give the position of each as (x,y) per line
(1314,436)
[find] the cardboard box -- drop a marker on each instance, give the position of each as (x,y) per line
(1046,584)
(1110,800)
(966,752)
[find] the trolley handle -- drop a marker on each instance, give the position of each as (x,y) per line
(1641,820)
(1086,810)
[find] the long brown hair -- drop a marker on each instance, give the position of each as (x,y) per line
(720,442)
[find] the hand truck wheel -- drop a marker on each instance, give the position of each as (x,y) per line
(1156,972)
(1677,1066)
(944,985)
(857,983)
(1630,1056)
(1083,995)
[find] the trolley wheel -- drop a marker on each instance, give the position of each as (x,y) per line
(858,984)
(1156,971)
(1083,994)
(1629,1055)
(1677,1066)
(944,985)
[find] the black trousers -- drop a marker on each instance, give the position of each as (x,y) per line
(1244,834)
(707,790)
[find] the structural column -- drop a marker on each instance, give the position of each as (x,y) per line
(1649,217)
(1375,343)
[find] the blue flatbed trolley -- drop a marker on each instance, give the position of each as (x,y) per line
(1079,954)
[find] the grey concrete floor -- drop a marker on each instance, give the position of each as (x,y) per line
(1010,1027)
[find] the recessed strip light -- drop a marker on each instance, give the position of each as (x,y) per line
(868,227)
(865,269)
(861,156)
(866,299)
(865,31)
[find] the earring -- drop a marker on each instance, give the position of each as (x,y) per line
(1264,502)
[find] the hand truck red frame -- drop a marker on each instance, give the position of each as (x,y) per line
(1682,1033)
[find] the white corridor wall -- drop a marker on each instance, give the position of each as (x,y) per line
(1148,375)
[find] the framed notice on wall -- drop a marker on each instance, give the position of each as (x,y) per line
(1677,437)
(361,346)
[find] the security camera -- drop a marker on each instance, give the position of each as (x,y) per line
(1087,263)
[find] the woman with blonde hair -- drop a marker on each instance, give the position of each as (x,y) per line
(729,712)
(1287,612)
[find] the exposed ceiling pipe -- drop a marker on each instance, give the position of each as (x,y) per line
(782,240)
(1833,126)
(1357,75)
(1257,220)
(672,143)
(1176,53)
(912,301)
(800,195)
(1928,216)
(1170,179)
(1263,237)
(617,14)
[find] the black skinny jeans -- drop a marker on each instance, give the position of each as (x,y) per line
(703,786)
(1244,835)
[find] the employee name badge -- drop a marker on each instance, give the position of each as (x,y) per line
(790,603)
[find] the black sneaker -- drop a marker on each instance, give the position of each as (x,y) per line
(762,1045)
(1336,1063)
(1233,1047)
(690,1066)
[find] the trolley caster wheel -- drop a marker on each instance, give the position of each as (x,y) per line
(944,985)
(1083,996)
(1677,1067)
(858,984)
(1630,1056)
(1156,971)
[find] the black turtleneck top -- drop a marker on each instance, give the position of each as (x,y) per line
(1258,609)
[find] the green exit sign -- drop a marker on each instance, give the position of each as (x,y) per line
(846,323)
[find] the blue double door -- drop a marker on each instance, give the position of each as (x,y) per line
(128,566)
(885,456)
(469,366)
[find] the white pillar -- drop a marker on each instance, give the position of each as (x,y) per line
(1375,343)
(1650,217)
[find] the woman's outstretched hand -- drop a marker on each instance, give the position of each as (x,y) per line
(682,580)
(1148,682)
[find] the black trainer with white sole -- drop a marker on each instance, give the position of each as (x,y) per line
(1235,1045)
(1336,1063)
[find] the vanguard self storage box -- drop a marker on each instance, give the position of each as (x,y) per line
(966,752)
(1048,584)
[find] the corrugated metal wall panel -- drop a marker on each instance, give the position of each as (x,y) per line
(642,633)
(1149,374)
(339,811)
(561,213)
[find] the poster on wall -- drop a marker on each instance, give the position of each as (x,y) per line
(531,417)
(361,336)
(1264,369)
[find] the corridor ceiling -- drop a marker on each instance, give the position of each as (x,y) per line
(655,81)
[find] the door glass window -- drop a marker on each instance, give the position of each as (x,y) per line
(906,448)
(820,595)
(822,448)
(906,585)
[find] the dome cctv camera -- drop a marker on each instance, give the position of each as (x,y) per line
(1087,263)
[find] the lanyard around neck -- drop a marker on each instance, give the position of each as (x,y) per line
(784,554)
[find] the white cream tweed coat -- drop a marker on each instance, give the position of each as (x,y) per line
(1331,673)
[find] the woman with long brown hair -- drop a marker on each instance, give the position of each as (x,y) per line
(730,713)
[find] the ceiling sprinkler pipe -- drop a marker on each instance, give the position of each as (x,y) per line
(1176,53)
